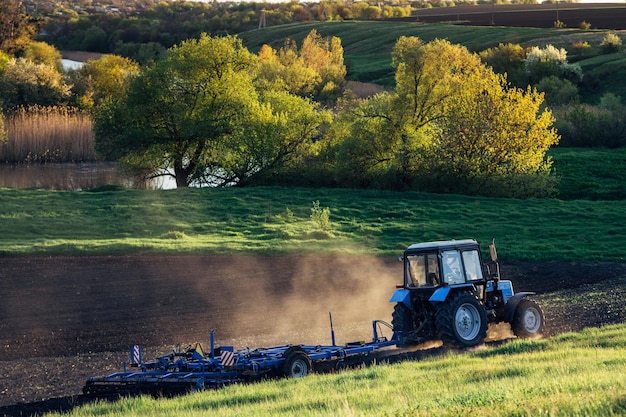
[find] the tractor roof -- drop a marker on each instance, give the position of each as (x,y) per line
(442,244)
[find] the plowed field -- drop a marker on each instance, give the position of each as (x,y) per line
(63,319)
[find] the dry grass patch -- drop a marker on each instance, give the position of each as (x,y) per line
(48,134)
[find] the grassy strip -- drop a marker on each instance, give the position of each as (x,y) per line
(594,174)
(275,220)
(569,375)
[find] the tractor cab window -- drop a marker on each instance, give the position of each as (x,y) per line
(452,267)
(422,270)
(472,263)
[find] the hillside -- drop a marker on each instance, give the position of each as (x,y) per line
(367,46)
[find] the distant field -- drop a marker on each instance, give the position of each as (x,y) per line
(368,45)
(598,15)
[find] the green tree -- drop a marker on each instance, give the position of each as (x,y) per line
(317,70)
(587,125)
(283,133)
(325,56)
(558,91)
(103,79)
(25,83)
(427,77)
(43,53)
(493,140)
(364,143)
(286,70)
(16,28)
(197,116)
(95,40)
(507,59)
(180,112)
(451,125)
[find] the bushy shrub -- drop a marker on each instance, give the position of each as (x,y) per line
(43,53)
(557,91)
(550,61)
(581,47)
(585,125)
(24,83)
(611,43)
(321,217)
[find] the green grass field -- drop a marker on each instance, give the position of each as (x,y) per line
(574,374)
(277,220)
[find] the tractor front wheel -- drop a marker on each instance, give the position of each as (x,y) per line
(528,319)
(461,320)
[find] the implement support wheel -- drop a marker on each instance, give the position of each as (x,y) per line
(297,363)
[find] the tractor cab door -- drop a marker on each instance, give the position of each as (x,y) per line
(422,270)
(461,266)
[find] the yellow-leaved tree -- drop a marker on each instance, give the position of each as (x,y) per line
(315,71)
(451,125)
(493,140)
(103,79)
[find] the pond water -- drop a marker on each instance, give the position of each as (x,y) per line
(68,64)
(72,177)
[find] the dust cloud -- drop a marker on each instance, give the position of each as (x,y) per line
(292,299)
(73,305)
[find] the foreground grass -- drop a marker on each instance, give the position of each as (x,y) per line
(574,374)
(274,220)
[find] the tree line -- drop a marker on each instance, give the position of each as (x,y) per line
(211,112)
(214,113)
(143,34)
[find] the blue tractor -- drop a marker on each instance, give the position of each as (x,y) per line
(450,294)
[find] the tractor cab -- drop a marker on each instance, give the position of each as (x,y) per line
(433,264)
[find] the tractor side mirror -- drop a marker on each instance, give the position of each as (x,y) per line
(492,250)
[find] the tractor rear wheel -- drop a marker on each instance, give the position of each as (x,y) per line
(401,319)
(297,363)
(461,320)
(528,319)
(402,322)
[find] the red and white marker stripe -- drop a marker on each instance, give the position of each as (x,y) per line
(136,354)
(227,358)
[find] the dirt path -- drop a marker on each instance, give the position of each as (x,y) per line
(63,319)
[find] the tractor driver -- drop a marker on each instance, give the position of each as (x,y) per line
(452,267)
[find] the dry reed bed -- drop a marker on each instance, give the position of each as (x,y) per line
(48,134)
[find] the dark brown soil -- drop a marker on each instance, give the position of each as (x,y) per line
(598,15)
(63,319)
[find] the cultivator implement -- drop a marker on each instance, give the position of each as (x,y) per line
(192,369)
